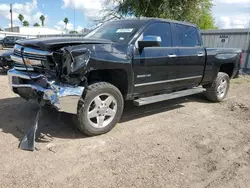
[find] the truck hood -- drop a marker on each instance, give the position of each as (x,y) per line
(7,53)
(58,42)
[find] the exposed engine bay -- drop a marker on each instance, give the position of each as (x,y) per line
(63,64)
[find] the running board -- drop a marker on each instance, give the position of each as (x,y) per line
(164,97)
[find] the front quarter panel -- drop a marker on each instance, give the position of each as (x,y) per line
(106,57)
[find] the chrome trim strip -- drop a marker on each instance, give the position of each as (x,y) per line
(31,50)
(23,68)
(20,60)
(143,75)
(30,56)
(167,81)
(25,75)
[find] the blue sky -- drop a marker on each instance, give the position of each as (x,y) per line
(227,13)
(54,10)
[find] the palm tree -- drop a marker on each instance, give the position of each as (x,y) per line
(21,18)
(66,21)
(42,18)
(36,25)
(25,23)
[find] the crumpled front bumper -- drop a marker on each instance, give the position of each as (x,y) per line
(63,97)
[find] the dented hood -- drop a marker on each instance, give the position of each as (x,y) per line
(58,42)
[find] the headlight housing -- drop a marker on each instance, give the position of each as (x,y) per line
(81,59)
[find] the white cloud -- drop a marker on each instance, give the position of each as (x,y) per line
(28,9)
(233,1)
(70,27)
(231,13)
(79,29)
(226,22)
(90,8)
(61,26)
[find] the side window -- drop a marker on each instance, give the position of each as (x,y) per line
(162,30)
(187,36)
(7,39)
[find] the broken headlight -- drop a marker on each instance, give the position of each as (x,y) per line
(80,60)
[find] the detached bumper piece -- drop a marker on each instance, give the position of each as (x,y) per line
(28,141)
(36,86)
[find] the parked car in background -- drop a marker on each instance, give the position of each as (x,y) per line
(9,41)
(5,60)
(1,43)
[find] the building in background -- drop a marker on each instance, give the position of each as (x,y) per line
(35,31)
(230,38)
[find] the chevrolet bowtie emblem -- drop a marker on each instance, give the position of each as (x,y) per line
(27,61)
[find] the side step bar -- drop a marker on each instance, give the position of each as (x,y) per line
(164,97)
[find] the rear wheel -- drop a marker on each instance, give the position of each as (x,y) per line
(101,110)
(219,88)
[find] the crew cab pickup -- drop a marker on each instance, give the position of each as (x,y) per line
(144,60)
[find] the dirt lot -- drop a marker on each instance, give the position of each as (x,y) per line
(187,142)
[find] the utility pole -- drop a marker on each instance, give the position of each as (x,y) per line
(74,16)
(247,47)
(11,21)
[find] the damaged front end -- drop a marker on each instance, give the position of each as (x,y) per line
(51,78)
(63,97)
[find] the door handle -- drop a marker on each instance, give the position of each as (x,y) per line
(200,54)
(171,55)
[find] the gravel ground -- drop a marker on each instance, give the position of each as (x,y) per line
(188,142)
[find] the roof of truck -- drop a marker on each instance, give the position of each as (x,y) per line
(149,19)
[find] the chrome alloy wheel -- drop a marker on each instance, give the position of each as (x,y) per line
(102,110)
(222,88)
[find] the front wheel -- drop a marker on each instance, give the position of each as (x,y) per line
(219,88)
(101,110)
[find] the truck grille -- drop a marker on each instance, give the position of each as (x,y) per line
(30,56)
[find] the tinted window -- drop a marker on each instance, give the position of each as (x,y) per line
(9,39)
(187,36)
(162,30)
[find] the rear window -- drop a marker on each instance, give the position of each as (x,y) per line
(187,36)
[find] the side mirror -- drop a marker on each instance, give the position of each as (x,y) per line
(149,41)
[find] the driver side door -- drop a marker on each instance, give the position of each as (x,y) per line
(154,66)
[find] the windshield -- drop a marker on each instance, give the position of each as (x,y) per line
(117,31)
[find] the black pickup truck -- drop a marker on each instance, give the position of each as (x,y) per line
(144,60)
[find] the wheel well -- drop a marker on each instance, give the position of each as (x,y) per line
(117,77)
(227,68)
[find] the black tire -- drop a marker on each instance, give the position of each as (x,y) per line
(93,91)
(211,92)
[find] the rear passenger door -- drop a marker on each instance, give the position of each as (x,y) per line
(190,56)
(156,61)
